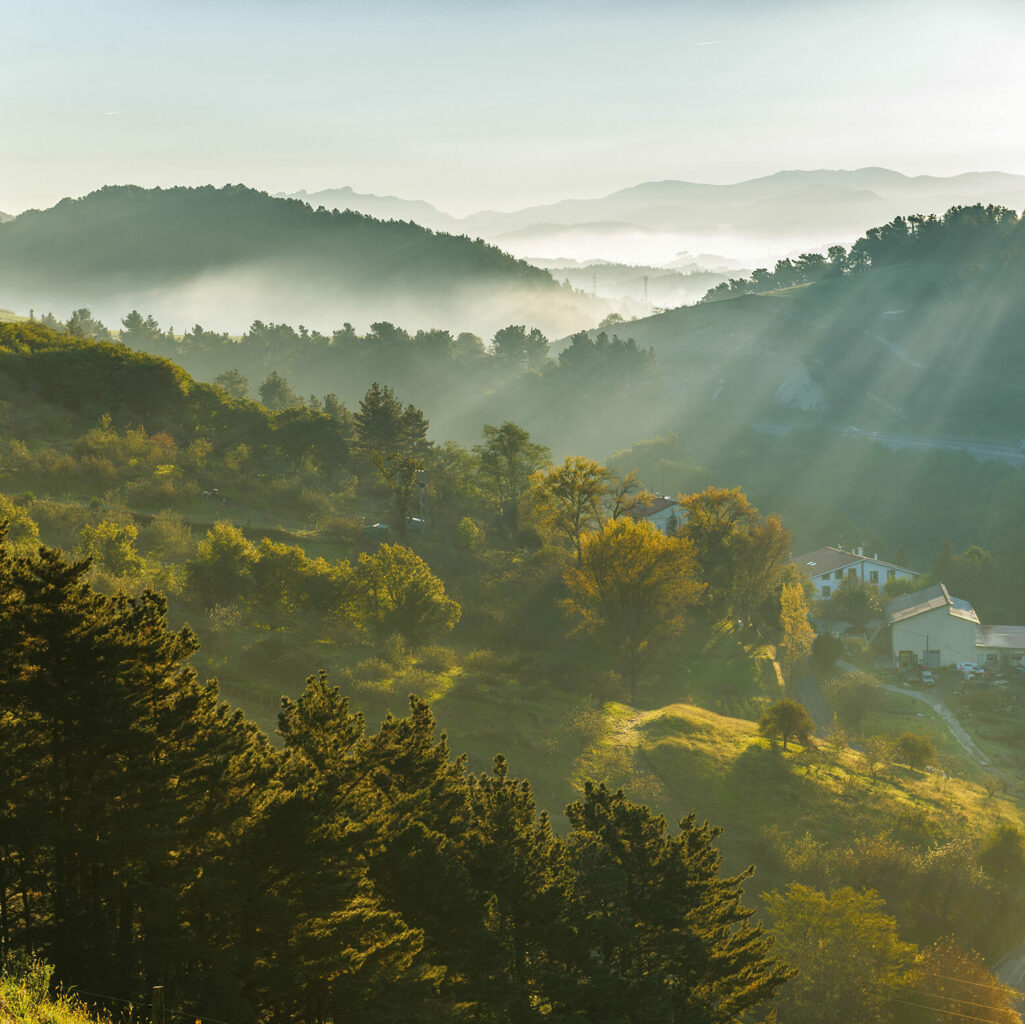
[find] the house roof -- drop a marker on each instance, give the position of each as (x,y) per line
(1006,637)
(937,596)
(657,505)
(825,560)
(829,559)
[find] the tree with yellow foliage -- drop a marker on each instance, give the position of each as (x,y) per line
(798,636)
(580,496)
(741,555)
(566,501)
(632,587)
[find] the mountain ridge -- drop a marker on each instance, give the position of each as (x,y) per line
(196,252)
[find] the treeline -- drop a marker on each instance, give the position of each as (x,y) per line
(151,835)
(512,375)
(987,236)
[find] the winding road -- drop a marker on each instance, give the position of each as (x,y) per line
(955,727)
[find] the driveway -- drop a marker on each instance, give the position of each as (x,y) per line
(956,728)
(971,748)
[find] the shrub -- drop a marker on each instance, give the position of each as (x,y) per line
(435,658)
(373,670)
(914,750)
(827,649)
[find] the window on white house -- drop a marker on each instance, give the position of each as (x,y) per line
(826,591)
(890,573)
(874,576)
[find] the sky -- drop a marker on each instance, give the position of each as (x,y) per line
(498,104)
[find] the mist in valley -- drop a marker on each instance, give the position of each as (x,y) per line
(545,545)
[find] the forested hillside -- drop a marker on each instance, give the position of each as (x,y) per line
(208,253)
(518,595)
(915,330)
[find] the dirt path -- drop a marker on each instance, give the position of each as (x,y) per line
(956,728)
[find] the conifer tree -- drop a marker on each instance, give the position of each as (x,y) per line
(660,934)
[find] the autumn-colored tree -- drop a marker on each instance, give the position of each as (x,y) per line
(631,588)
(850,958)
(740,555)
(948,984)
(567,501)
(798,636)
(626,495)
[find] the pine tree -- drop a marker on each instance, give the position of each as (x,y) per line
(660,935)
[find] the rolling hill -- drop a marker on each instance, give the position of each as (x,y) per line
(923,342)
(224,256)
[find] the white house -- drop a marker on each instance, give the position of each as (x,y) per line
(828,567)
(664,512)
(932,628)
(999,645)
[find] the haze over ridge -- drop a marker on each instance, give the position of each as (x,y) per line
(653,222)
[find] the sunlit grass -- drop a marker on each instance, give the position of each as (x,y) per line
(682,758)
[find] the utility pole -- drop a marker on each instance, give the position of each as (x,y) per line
(157,1007)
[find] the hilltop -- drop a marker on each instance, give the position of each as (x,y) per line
(921,339)
(203,253)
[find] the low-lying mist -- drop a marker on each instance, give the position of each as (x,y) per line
(229,300)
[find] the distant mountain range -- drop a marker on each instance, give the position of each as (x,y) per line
(225,256)
(759,219)
(381,207)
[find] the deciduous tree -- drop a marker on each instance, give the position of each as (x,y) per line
(395,592)
(507,458)
(850,958)
(632,587)
(567,501)
(787,719)
(797,634)
(740,555)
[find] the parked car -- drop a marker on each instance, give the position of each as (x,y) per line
(968,670)
(928,679)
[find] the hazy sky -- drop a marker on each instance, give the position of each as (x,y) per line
(474,103)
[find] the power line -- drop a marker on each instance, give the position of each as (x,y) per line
(964,981)
(936,1009)
(953,999)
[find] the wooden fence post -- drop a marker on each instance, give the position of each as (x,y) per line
(157,1014)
